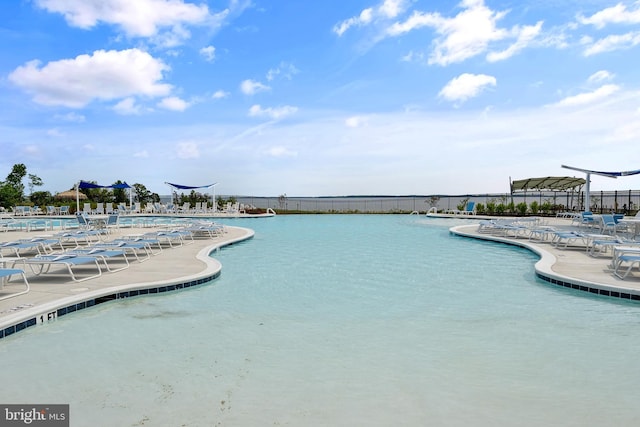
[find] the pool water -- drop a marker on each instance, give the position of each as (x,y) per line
(342,320)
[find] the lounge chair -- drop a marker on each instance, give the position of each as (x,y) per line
(135,248)
(27,247)
(64,210)
(102,253)
(78,237)
(5,276)
(43,265)
(586,219)
(625,256)
(564,239)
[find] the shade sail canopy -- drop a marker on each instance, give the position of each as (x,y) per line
(549,183)
(608,174)
(85,184)
(189,187)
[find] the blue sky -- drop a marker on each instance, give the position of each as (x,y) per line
(330,97)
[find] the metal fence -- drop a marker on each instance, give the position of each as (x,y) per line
(627,201)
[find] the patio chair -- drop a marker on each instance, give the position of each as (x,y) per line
(112,223)
(5,276)
(64,210)
(99,210)
(608,224)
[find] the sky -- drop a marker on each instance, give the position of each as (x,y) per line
(320,98)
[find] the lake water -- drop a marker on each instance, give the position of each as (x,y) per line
(342,320)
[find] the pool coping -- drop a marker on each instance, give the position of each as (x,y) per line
(49,311)
(544,267)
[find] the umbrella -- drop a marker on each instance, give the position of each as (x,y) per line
(70,194)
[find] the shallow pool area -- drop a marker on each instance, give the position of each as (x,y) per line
(343,320)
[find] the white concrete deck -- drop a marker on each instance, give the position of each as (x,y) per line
(572,267)
(177,267)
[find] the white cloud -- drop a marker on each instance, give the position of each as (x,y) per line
(273,113)
(617,14)
(164,19)
(280,151)
(173,103)
(127,107)
(388,9)
(187,150)
(588,97)
(104,75)
(466,86)
(285,69)
(55,132)
(524,36)
(355,121)
(71,117)
(144,154)
(611,43)
(251,87)
(600,76)
(219,94)
(468,34)
(209,53)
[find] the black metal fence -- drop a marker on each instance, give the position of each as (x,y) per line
(627,201)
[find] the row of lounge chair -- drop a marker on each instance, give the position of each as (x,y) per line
(603,236)
(84,254)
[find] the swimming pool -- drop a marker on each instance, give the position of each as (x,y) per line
(343,320)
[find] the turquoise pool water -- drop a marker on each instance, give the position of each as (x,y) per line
(340,321)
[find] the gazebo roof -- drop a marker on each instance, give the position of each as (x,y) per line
(549,183)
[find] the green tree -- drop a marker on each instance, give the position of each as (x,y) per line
(12,189)
(143,195)
(34,181)
(120,194)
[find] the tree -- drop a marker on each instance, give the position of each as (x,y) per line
(143,195)
(12,189)
(34,181)
(120,194)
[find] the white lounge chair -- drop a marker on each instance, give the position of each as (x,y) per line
(5,276)
(44,264)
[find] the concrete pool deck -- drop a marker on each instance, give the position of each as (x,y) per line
(571,268)
(52,295)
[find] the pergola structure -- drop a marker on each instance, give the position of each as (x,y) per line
(548,183)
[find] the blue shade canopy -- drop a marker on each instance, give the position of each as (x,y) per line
(85,184)
(189,187)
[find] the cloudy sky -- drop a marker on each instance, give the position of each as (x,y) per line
(327,97)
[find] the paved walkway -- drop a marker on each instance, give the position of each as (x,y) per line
(572,267)
(53,295)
